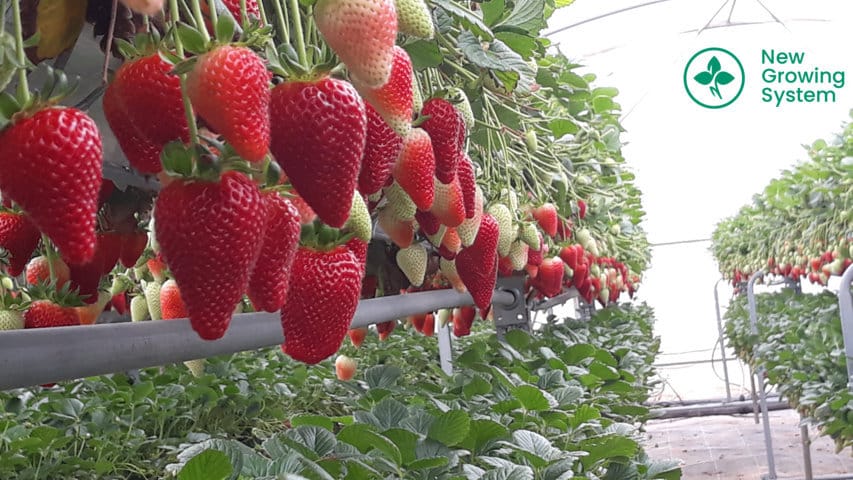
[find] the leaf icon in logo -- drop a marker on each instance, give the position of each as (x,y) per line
(714,65)
(725,78)
(704,78)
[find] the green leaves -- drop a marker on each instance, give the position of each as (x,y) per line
(208,465)
(450,428)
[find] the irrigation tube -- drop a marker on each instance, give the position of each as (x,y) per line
(721,337)
(845,304)
(753,320)
(46,355)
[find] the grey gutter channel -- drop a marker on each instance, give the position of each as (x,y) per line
(47,355)
(730,408)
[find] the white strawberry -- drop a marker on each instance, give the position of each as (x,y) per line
(413,262)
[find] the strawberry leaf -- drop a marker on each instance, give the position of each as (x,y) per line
(225,28)
(191,38)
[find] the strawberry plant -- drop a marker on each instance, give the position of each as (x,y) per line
(800,345)
(799,226)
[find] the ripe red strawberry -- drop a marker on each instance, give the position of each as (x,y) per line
(463,318)
(384,329)
(229,87)
(324,291)
(143,107)
(381,150)
(477,264)
(119,303)
(357,336)
(109,246)
(393,100)
(46,313)
(269,280)
(132,246)
(468,182)
(415,167)
(345,367)
(306,215)
(546,217)
(535,256)
(581,209)
(157,268)
(212,270)
(171,304)
(19,237)
(362,33)
(428,328)
(318,136)
(86,278)
(50,165)
(38,271)
(358,247)
(428,222)
(549,280)
(418,321)
(448,205)
(252,9)
(446,128)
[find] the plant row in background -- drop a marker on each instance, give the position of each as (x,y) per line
(801,225)
(800,345)
(289,132)
(565,403)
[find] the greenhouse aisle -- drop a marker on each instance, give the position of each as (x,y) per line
(732,447)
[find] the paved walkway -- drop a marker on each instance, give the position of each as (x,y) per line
(732,447)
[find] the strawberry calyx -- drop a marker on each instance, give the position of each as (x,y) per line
(63,297)
(144,44)
(321,237)
(201,161)
(14,303)
(14,108)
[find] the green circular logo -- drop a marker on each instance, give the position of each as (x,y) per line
(714,78)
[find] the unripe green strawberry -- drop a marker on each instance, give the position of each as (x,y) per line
(196,367)
(437,237)
(139,308)
(468,229)
(460,101)
(444,317)
(413,262)
(399,202)
(414,18)
(518,255)
(507,233)
(359,219)
(11,320)
(448,269)
(152,296)
(528,234)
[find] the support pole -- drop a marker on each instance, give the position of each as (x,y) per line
(445,351)
(807,451)
(46,355)
(845,304)
(753,319)
(721,338)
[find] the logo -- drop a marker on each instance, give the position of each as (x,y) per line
(714,78)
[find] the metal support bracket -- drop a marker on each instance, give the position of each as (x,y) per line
(514,316)
(762,394)
(721,338)
(585,310)
(845,304)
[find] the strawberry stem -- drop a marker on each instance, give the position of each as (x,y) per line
(244,15)
(23,85)
(179,49)
(109,44)
(298,33)
(281,17)
(214,15)
(199,20)
(49,253)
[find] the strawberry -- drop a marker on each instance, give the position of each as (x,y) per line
(19,237)
(88,314)
(546,217)
(212,270)
(384,329)
(468,229)
(145,100)
(418,321)
(171,304)
(269,280)
(429,325)
(448,205)
(345,367)
(358,247)
(357,336)
(463,318)
(38,271)
(477,263)
(414,18)
(138,309)
(229,87)
(399,202)
(132,246)
(393,100)
(428,222)
(529,234)
(549,281)
(581,209)
(451,241)
(306,215)
(359,222)
(11,320)
(518,255)
(507,233)
(415,166)
(318,136)
(413,262)
(536,255)
(448,269)
(381,149)
(119,303)
(47,313)
(50,165)
(401,232)
(468,183)
(324,291)
(368,286)
(157,268)
(362,33)
(446,128)
(109,249)
(252,9)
